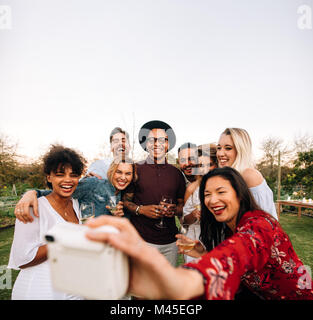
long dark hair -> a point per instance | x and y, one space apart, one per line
212 231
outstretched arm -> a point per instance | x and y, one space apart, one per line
151 275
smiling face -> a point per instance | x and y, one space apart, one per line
206 164
64 181
221 200
122 176
157 144
120 145
187 159
226 151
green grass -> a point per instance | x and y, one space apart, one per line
7 217
6 238
300 232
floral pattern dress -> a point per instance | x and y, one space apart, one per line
258 255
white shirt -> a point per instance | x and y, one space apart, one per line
193 229
263 196
101 167
34 283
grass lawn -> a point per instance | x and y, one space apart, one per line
6 237
300 232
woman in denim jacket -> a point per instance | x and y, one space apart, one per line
89 190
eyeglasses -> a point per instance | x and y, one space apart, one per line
160 140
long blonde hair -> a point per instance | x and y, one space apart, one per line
243 145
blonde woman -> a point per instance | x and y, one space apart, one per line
99 191
234 149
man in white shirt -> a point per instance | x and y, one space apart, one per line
120 147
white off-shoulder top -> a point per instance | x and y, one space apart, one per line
263 196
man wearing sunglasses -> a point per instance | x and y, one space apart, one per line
156 178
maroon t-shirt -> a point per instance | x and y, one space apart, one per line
155 180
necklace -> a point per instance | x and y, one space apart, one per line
63 210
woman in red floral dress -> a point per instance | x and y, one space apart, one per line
243 245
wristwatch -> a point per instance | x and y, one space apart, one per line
137 210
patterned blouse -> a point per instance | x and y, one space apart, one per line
260 256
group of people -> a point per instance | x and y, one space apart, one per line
215 190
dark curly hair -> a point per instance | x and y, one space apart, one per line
58 157
212 231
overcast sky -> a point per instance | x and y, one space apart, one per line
72 70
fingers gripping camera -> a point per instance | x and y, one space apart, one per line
83 267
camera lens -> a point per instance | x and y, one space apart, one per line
49 238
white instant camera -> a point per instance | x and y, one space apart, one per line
83 267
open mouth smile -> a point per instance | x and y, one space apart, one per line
218 210
223 161
67 188
121 183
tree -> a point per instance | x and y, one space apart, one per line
8 162
303 143
304 170
13 172
268 165
271 147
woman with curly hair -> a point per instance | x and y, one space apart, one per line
63 168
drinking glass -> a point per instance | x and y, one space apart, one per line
186 244
87 210
112 204
165 201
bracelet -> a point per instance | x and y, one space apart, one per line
137 211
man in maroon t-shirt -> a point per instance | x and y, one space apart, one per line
157 178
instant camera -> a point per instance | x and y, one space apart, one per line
83 267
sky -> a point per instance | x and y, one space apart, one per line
70 71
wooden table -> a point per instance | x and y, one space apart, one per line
295 203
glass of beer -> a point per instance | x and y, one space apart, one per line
87 210
112 204
187 243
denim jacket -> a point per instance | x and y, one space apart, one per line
92 189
